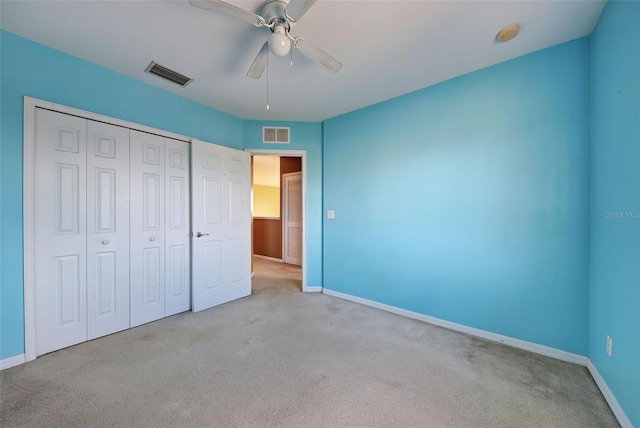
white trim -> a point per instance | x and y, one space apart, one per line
314 289
28 227
16 360
301 154
28 205
617 410
273 259
34 102
493 337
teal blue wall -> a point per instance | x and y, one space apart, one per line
304 136
469 200
34 70
614 307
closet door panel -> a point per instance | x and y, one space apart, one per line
147 217
107 228
177 227
60 231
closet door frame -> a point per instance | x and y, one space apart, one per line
28 207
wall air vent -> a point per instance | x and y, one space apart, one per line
275 135
165 73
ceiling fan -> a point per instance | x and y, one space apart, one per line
279 16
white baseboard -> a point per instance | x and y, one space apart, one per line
493 337
12 361
314 289
273 259
623 420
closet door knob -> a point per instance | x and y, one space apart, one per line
200 234
152 239
105 242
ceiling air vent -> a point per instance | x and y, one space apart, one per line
275 135
165 73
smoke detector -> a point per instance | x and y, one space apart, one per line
508 33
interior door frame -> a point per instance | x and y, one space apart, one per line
28 199
295 154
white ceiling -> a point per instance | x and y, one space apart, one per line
388 48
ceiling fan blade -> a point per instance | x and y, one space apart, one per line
224 8
317 54
260 63
297 8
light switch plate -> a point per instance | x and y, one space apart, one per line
330 214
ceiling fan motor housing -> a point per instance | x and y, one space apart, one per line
274 11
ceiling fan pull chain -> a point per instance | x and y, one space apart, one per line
291 57
267 80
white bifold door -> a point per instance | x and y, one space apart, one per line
221 219
177 232
160 227
81 230
107 228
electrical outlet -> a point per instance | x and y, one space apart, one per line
330 214
609 346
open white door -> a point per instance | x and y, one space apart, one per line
292 218
221 224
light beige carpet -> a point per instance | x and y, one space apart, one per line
286 359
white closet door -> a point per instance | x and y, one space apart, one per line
178 228
146 227
60 231
221 224
107 228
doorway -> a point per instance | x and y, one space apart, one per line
269 237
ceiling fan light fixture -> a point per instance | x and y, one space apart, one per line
279 43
